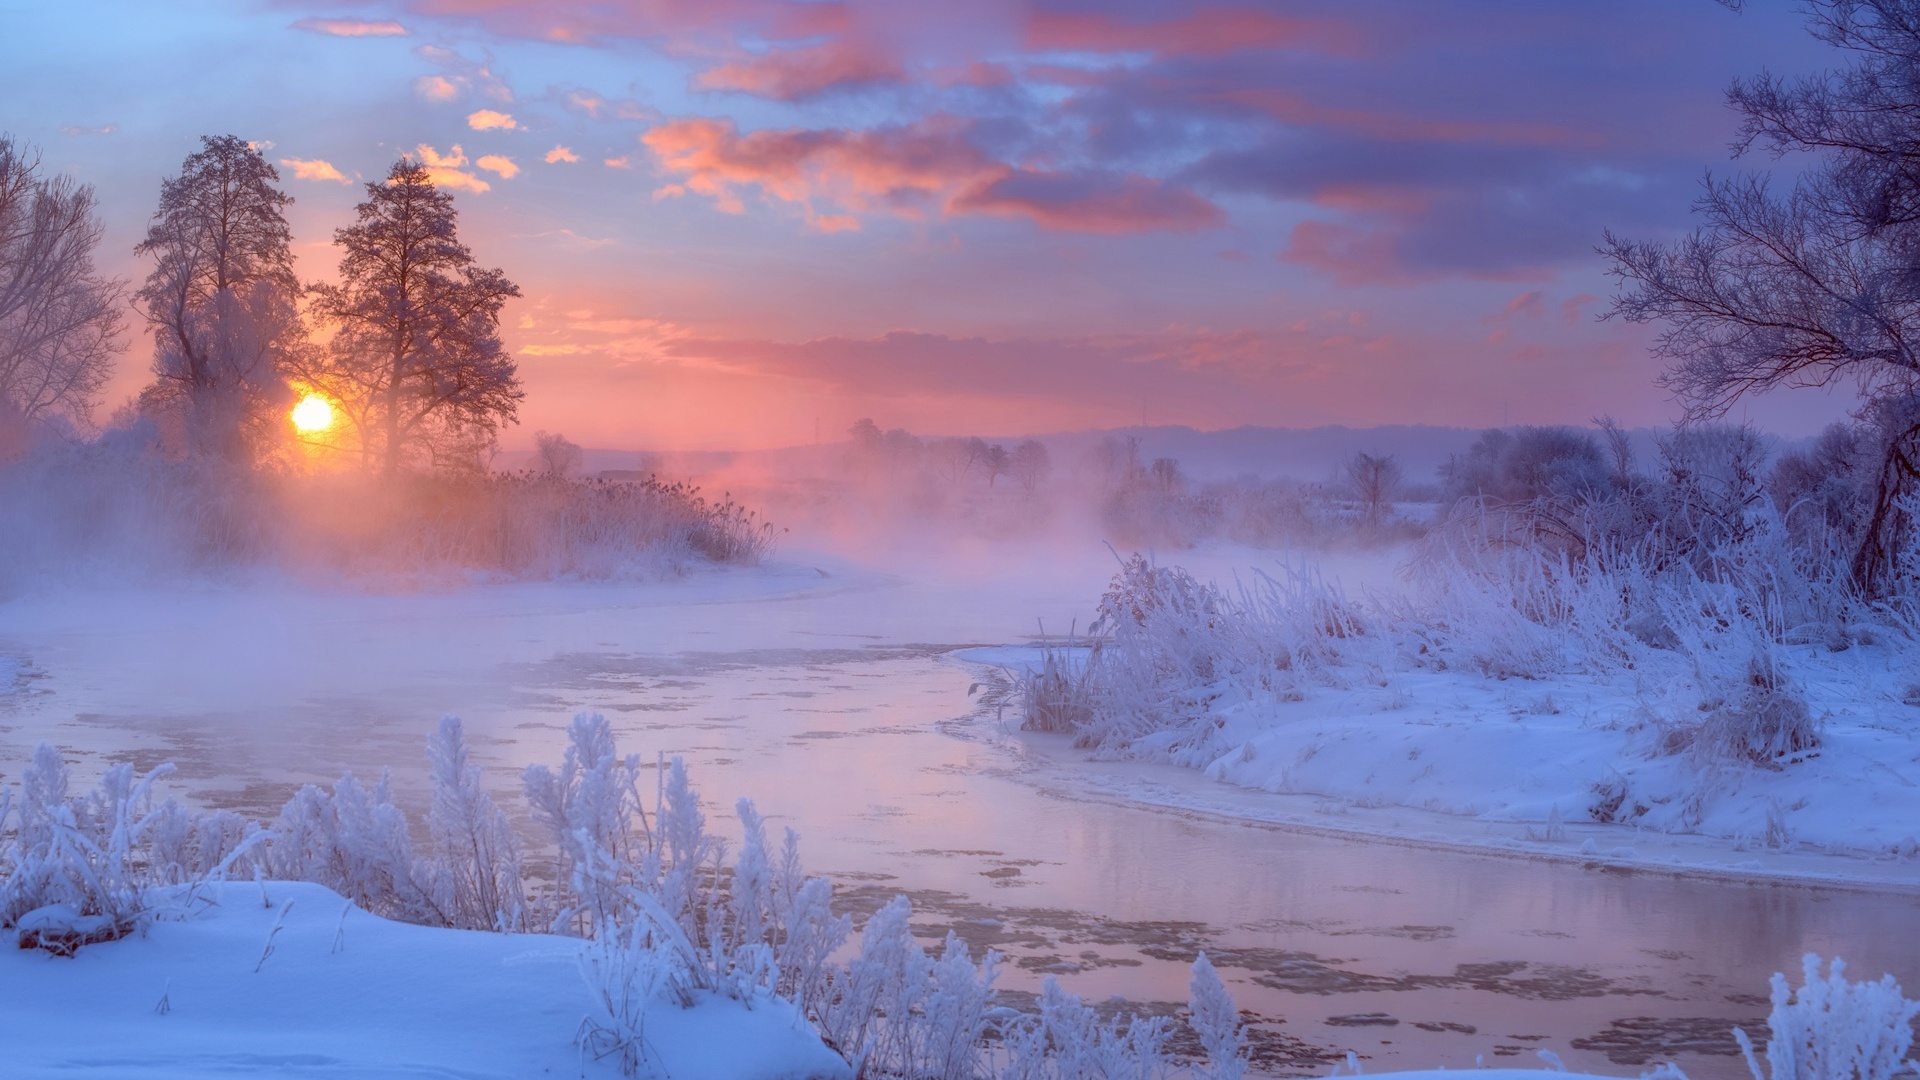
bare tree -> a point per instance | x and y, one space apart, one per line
221 299
60 320
997 461
1375 480
417 357
955 457
1817 285
560 457
1031 464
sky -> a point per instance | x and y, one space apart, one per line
747 223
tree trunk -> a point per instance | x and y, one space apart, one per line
1881 543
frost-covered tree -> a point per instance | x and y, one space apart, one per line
1031 463
1525 463
1814 285
60 320
559 456
221 298
417 359
1375 481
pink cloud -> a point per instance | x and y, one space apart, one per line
1574 306
1211 31
491 120
314 169
1528 305
352 27
795 74
600 108
685 23
910 171
1349 255
560 154
1099 204
436 88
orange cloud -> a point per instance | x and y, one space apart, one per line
314 169
909 171
436 88
352 27
501 166
621 162
561 153
794 74
448 170
490 120
452 159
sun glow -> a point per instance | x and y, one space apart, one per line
313 414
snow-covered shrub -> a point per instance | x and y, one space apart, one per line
354 841
75 870
1750 710
591 811
516 525
186 846
627 971
1057 696
476 859
1170 646
1833 1029
1217 1022
1066 1040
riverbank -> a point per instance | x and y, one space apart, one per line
1524 767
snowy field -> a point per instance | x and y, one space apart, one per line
289 980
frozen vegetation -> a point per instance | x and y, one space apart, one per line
1575 642
685 961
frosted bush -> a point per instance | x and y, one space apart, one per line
476 857
1057 696
354 841
1066 1040
1215 1020
1833 1029
626 972
590 809
79 869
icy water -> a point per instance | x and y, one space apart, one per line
840 705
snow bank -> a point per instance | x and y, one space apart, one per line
1572 702
345 993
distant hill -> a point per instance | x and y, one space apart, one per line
1258 452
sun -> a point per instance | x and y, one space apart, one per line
314 413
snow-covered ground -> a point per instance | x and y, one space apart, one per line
343 993
1393 726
